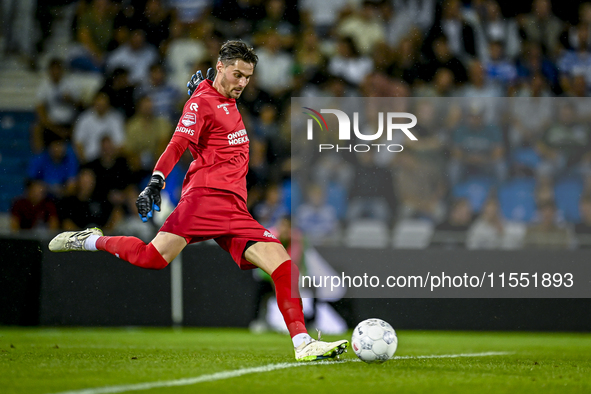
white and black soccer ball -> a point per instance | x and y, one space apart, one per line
374 341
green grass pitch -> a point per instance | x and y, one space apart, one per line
56 360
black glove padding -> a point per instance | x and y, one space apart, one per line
149 199
197 78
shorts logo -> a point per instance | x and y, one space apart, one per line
189 119
193 107
269 235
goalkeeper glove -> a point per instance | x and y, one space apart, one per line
197 78
149 200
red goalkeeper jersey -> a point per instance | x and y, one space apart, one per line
212 128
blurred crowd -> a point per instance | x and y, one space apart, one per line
93 155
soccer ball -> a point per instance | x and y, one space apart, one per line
374 341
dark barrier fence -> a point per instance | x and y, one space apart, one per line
96 289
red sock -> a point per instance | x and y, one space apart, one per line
133 250
285 278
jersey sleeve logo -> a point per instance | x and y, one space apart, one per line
193 107
189 119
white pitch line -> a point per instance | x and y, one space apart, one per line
245 371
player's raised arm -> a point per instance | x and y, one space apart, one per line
149 199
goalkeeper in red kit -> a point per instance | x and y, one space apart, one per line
213 200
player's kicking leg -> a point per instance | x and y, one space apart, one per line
272 258
155 255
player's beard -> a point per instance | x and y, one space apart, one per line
230 92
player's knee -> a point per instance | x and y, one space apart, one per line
158 265
153 259
267 255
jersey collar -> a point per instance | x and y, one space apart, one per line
207 86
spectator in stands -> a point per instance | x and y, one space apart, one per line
488 230
348 63
478 83
532 63
542 27
316 218
50 12
121 92
460 32
259 173
536 86
125 20
546 233
323 15
56 167
94 124
528 118
182 53
82 210
565 145
333 168
309 60
58 102
275 20
192 11
575 85
419 176
578 60
443 58
497 28
372 191
266 126
146 136
477 148
112 174
420 189
95 31
34 210
271 209
136 56
479 87
365 28
167 99
460 217
275 67
155 22
499 69
453 231
406 18
583 229
571 38
18 28
443 85
406 65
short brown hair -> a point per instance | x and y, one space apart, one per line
237 50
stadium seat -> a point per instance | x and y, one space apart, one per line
292 196
336 196
526 157
567 193
476 190
367 233
412 234
15 153
517 199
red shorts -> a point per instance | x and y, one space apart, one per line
204 213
